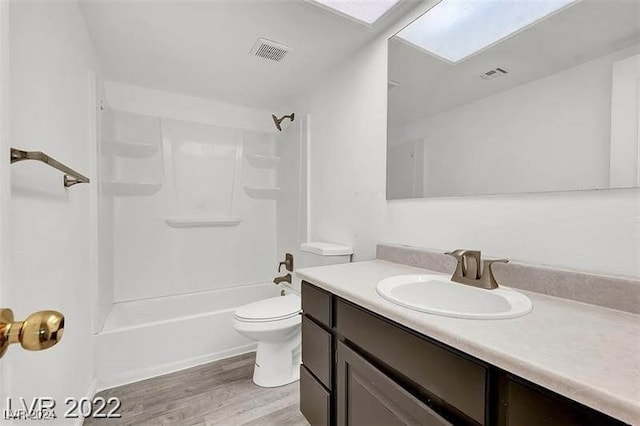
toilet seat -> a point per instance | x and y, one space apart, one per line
268 310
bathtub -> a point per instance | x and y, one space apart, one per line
146 338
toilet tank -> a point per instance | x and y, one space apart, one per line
320 253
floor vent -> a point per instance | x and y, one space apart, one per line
494 73
270 50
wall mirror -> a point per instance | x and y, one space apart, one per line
514 96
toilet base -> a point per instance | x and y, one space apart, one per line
277 363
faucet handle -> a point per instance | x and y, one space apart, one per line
486 263
487 272
287 263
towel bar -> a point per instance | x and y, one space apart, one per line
71 177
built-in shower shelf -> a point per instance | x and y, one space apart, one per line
201 222
263 161
262 192
119 188
129 149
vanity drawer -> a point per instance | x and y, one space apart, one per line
316 351
366 396
317 304
452 380
314 399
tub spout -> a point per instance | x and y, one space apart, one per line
282 279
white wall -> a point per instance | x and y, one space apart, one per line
150 258
49 233
595 231
141 100
551 134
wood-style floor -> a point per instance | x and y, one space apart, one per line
219 393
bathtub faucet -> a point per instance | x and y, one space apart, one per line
282 279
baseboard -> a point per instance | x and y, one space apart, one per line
146 373
90 393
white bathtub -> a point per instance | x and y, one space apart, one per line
146 338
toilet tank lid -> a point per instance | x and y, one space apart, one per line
326 249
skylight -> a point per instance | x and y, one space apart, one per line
456 29
368 11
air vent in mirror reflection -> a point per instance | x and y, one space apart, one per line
495 73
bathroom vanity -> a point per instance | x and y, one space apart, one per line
367 362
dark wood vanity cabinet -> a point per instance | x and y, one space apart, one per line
359 368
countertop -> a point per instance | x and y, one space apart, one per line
585 352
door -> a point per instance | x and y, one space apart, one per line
366 396
45 238
625 124
405 170
4 177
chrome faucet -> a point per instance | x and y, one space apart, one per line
472 270
282 279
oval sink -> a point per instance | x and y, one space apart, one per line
436 294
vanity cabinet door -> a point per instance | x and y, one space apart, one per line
523 404
367 397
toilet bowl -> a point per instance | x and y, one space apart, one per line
275 324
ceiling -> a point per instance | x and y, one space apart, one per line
201 48
585 31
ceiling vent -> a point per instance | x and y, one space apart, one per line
494 73
270 50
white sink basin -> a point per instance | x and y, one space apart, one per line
436 294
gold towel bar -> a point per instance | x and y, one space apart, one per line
71 177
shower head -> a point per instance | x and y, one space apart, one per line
278 121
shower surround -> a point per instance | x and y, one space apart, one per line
191 190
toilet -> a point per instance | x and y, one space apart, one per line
275 322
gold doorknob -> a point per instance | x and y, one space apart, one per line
39 331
